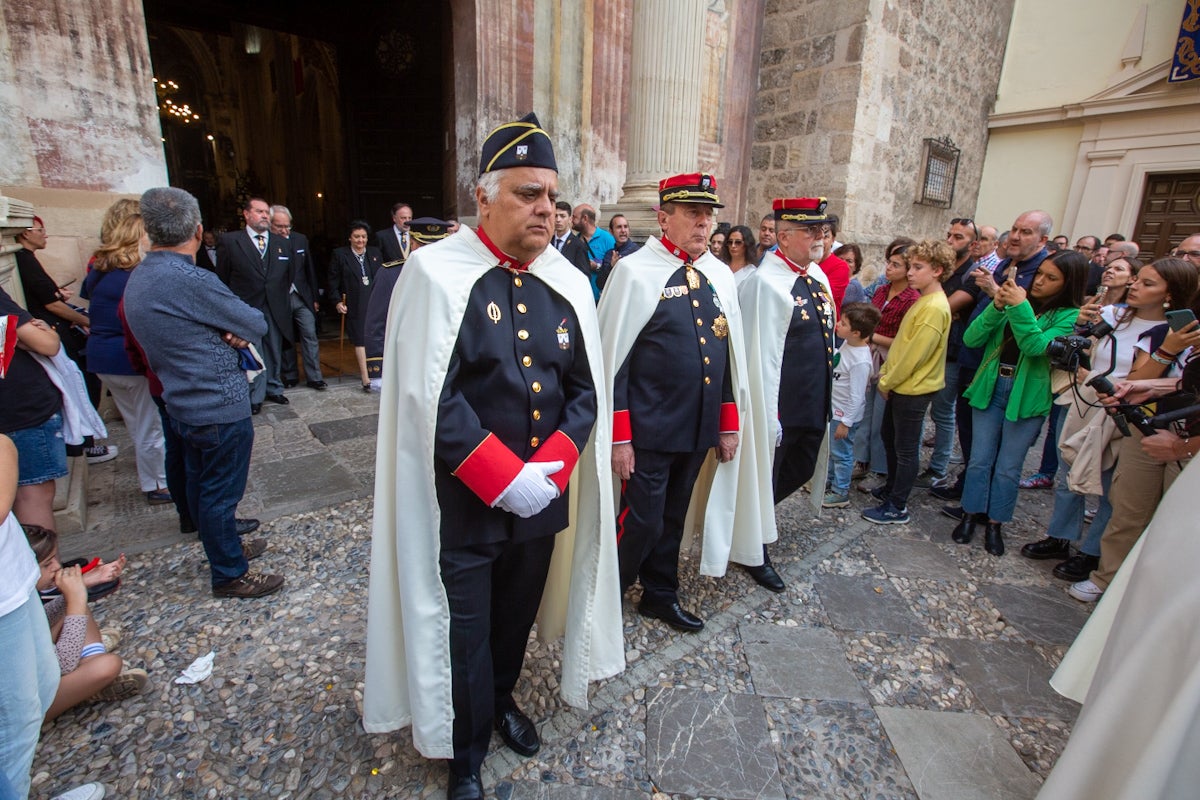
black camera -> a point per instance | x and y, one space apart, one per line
1069 353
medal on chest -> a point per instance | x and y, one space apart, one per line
564 339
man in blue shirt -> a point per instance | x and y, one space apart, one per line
599 241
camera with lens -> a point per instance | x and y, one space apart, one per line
1069 353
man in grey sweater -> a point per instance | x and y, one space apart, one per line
191 327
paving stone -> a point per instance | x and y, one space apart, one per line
799 662
527 790
339 430
1044 614
866 604
294 484
830 749
910 558
957 756
711 744
1009 678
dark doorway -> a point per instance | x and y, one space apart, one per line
333 109
1170 213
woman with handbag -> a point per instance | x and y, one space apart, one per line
1010 395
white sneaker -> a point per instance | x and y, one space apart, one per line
1085 591
90 791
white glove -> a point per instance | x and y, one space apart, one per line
778 433
531 491
377 385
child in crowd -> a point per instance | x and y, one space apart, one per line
914 371
89 671
851 373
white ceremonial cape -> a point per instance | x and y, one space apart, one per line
408 649
1138 660
767 306
729 499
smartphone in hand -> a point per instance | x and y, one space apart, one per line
1180 318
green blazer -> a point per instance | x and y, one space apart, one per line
1031 395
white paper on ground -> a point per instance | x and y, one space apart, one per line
199 669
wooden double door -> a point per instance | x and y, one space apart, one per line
1170 213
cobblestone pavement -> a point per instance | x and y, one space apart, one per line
897 664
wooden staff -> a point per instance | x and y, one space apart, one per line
342 345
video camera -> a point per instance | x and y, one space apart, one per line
1071 352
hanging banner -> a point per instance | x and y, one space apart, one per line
1186 64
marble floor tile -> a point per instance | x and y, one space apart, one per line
1009 678
1045 614
799 662
908 558
866 604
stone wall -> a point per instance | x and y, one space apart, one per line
849 89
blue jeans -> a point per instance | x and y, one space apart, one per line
998 450
174 463
1066 521
941 410
868 438
841 459
31 673
217 459
1049 464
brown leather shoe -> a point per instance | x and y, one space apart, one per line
254 548
252 584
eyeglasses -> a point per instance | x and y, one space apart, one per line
966 221
1081 249
1178 253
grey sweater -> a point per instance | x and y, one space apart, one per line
178 312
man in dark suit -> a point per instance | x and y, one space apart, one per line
302 300
256 265
567 241
393 242
206 256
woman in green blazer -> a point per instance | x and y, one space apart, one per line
1010 395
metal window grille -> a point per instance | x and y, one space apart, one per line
940 173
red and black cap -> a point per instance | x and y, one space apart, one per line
696 187
518 144
428 229
801 210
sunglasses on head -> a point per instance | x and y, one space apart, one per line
966 221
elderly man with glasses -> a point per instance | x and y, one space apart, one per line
1189 250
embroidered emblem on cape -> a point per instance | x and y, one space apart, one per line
693 278
564 340
493 312
720 327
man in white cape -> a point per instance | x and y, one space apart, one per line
788 316
490 400
676 368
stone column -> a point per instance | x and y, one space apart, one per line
15 216
666 66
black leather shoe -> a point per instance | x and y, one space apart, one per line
766 577
245 526
1077 568
464 787
320 386
186 525
518 732
671 613
278 398
953 512
993 541
289 383
255 408
964 531
1048 548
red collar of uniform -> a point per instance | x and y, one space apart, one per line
676 250
506 261
794 267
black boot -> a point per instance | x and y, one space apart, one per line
993 541
765 575
964 531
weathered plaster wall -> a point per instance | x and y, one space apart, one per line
1029 169
848 91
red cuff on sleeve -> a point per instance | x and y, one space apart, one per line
489 469
729 418
622 430
559 447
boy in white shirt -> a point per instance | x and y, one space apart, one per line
851 372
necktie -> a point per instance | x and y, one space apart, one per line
558 243
262 244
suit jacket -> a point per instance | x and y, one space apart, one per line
389 245
262 282
202 259
304 269
575 250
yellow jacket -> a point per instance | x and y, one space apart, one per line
916 362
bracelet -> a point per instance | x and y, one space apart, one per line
1166 362
1165 354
